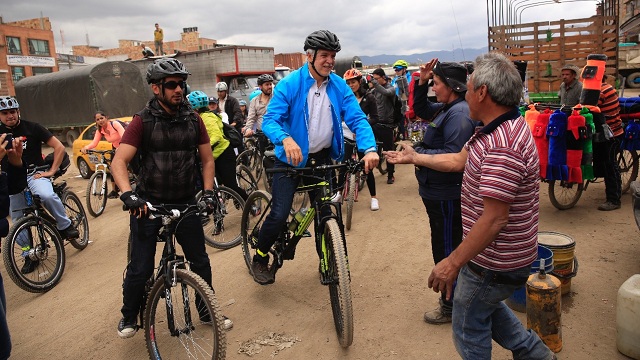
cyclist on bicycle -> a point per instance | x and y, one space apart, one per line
223 154
368 105
172 142
112 131
303 121
258 106
34 135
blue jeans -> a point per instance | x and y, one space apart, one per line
479 315
5 339
43 188
189 235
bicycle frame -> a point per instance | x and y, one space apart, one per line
101 167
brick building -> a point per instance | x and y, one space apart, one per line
27 48
190 40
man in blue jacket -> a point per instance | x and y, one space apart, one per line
304 121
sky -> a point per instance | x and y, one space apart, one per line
364 27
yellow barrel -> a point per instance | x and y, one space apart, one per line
544 309
565 264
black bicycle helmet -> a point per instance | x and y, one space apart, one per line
322 40
163 68
264 78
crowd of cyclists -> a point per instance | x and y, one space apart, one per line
195 123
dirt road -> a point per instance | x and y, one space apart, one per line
390 259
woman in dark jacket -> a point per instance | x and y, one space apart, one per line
368 105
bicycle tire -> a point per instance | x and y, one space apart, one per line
627 162
248 158
51 264
382 164
96 200
340 286
300 200
351 198
255 211
75 212
565 195
222 229
245 179
362 180
197 338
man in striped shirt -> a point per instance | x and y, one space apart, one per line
500 197
604 155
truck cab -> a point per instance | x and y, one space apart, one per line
241 87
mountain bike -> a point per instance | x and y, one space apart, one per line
98 186
253 156
329 237
222 226
180 312
354 183
245 179
35 238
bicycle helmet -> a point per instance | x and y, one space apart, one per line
163 68
352 74
222 86
264 78
198 99
400 64
242 103
322 40
8 103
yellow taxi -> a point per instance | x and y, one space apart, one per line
84 162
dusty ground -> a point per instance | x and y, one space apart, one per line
390 260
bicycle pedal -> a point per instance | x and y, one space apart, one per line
306 233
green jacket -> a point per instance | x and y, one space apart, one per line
213 123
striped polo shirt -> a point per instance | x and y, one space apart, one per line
503 164
609 105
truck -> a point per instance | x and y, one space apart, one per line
344 64
629 64
237 65
65 102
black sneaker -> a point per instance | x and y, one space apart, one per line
29 265
112 195
261 273
127 328
70 233
391 180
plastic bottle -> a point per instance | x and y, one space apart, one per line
297 219
28 197
544 308
628 317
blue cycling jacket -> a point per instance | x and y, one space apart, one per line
288 115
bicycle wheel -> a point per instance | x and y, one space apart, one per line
195 314
246 181
564 195
75 213
248 158
44 256
351 198
362 179
96 198
628 164
340 285
255 211
300 200
382 164
222 227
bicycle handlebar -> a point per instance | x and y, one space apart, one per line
33 169
351 164
102 152
170 209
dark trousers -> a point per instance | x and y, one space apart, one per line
5 339
144 232
605 165
282 192
349 148
384 134
445 220
226 171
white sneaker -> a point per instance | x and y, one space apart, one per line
337 197
374 204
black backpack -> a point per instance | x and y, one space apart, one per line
233 135
123 123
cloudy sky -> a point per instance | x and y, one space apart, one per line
365 27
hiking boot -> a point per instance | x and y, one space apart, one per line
437 317
608 206
127 328
70 233
29 265
374 204
391 180
112 194
261 273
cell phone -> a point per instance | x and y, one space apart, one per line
9 139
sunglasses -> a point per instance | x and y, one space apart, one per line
172 85
398 69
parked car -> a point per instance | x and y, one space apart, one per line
84 162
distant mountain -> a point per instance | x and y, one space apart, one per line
442 55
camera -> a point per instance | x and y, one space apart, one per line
9 139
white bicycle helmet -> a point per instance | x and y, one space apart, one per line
222 86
